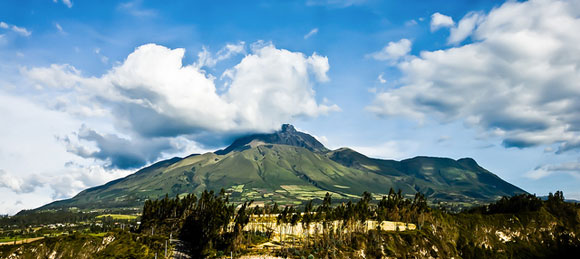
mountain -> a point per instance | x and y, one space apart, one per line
290 167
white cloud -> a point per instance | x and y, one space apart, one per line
20 30
152 94
76 178
465 27
32 158
104 59
311 33
126 152
571 168
410 23
389 150
441 21
29 152
18 185
206 59
68 3
272 84
394 51
65 184
381 78
59 28
518 80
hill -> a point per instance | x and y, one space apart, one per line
290 167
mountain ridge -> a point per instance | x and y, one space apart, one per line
291 167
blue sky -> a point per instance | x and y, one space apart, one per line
93 90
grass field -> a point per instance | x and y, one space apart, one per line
9 239
102 234
118 216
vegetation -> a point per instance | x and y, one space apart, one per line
517 204
116 244
521 226
212 226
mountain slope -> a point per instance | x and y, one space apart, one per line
291 167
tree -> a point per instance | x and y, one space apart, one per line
208 220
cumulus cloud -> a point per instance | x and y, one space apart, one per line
394 51
118 152
311 33
439 21
518 80
19 30
152 95
272 83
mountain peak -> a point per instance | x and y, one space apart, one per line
288 128
287 135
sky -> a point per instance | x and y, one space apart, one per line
91 91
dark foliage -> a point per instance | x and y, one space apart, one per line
214 227
516 204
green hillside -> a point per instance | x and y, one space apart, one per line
290 167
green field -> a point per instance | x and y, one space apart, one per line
11 239
118 216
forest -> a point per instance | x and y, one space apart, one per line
213 227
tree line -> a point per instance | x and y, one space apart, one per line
212 224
